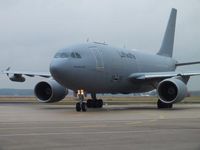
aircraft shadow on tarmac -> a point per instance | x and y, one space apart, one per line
120 108
135 107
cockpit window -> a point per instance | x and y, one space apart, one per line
67 55
64 55
78 55
61 55
73 55
57 55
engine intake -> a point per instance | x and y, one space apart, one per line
172 90
50 92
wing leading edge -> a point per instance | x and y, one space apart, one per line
26 73
187 63
161 75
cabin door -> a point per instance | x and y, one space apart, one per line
98 58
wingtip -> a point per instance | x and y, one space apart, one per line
8 68
174 9
5 71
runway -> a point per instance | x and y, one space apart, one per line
38 126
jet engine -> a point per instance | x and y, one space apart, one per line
50 92
17 78
172 90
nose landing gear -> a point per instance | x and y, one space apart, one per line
81 105
91 103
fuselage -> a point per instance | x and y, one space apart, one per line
99 68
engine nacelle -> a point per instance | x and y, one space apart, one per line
17 78
50 92
172 90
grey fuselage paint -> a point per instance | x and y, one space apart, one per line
105 69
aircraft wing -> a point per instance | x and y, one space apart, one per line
161 75
187 63
26 73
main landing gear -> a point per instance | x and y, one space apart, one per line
91 103
94 102
162 105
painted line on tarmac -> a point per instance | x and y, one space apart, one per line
74 133
162 117
134 122
94 126
155 131
56 127
120 124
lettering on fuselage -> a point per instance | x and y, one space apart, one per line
79 67
116 78
127 55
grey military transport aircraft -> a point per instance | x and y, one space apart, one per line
99 68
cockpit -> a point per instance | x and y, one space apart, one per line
67 55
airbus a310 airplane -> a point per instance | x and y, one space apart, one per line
99 68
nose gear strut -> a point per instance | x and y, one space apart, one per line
81 105
91 103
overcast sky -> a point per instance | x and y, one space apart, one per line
31 31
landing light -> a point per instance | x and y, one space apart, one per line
80 92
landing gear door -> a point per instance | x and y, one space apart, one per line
98 58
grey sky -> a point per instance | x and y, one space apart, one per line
31 31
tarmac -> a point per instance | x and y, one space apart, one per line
126 127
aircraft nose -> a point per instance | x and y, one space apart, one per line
56 68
